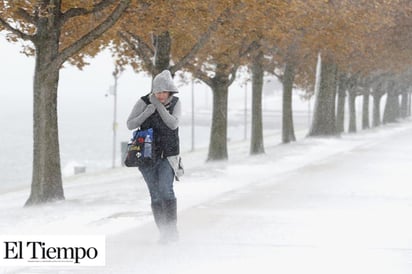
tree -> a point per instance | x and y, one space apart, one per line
353 93
256 140
216 65
343 34
365 108
391 111
404 104
266 33
225 74
378 92
324 119
288 132
58 31
356 87
169 39
340 112
278 35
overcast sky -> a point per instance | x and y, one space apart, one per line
89 85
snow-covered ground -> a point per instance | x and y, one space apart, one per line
339 205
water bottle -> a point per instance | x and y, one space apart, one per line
147 147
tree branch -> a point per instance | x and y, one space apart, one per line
233 74
280 77
25 15
93 34
201 42
73 12
141 50
201 75
195 49
145 47
252 46
19 33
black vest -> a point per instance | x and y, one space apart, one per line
166 140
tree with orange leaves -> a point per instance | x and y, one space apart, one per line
216 65
172 35
57 31
340 32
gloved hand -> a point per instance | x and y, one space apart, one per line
154 100
150 109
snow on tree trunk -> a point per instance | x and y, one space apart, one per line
404 104
256 142
340 113
376 110
365 111
352 111
324 121
391 112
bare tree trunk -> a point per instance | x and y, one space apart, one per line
397 105
391 107
288 132
218 134
352 111
46 175
376 110
404 105
324 122
162 45
365 111
256 142
340 113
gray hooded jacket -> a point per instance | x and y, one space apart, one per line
140 112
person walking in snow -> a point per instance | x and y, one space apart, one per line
161 110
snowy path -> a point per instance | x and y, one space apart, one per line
316 206
347 214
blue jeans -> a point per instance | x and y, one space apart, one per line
159 179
